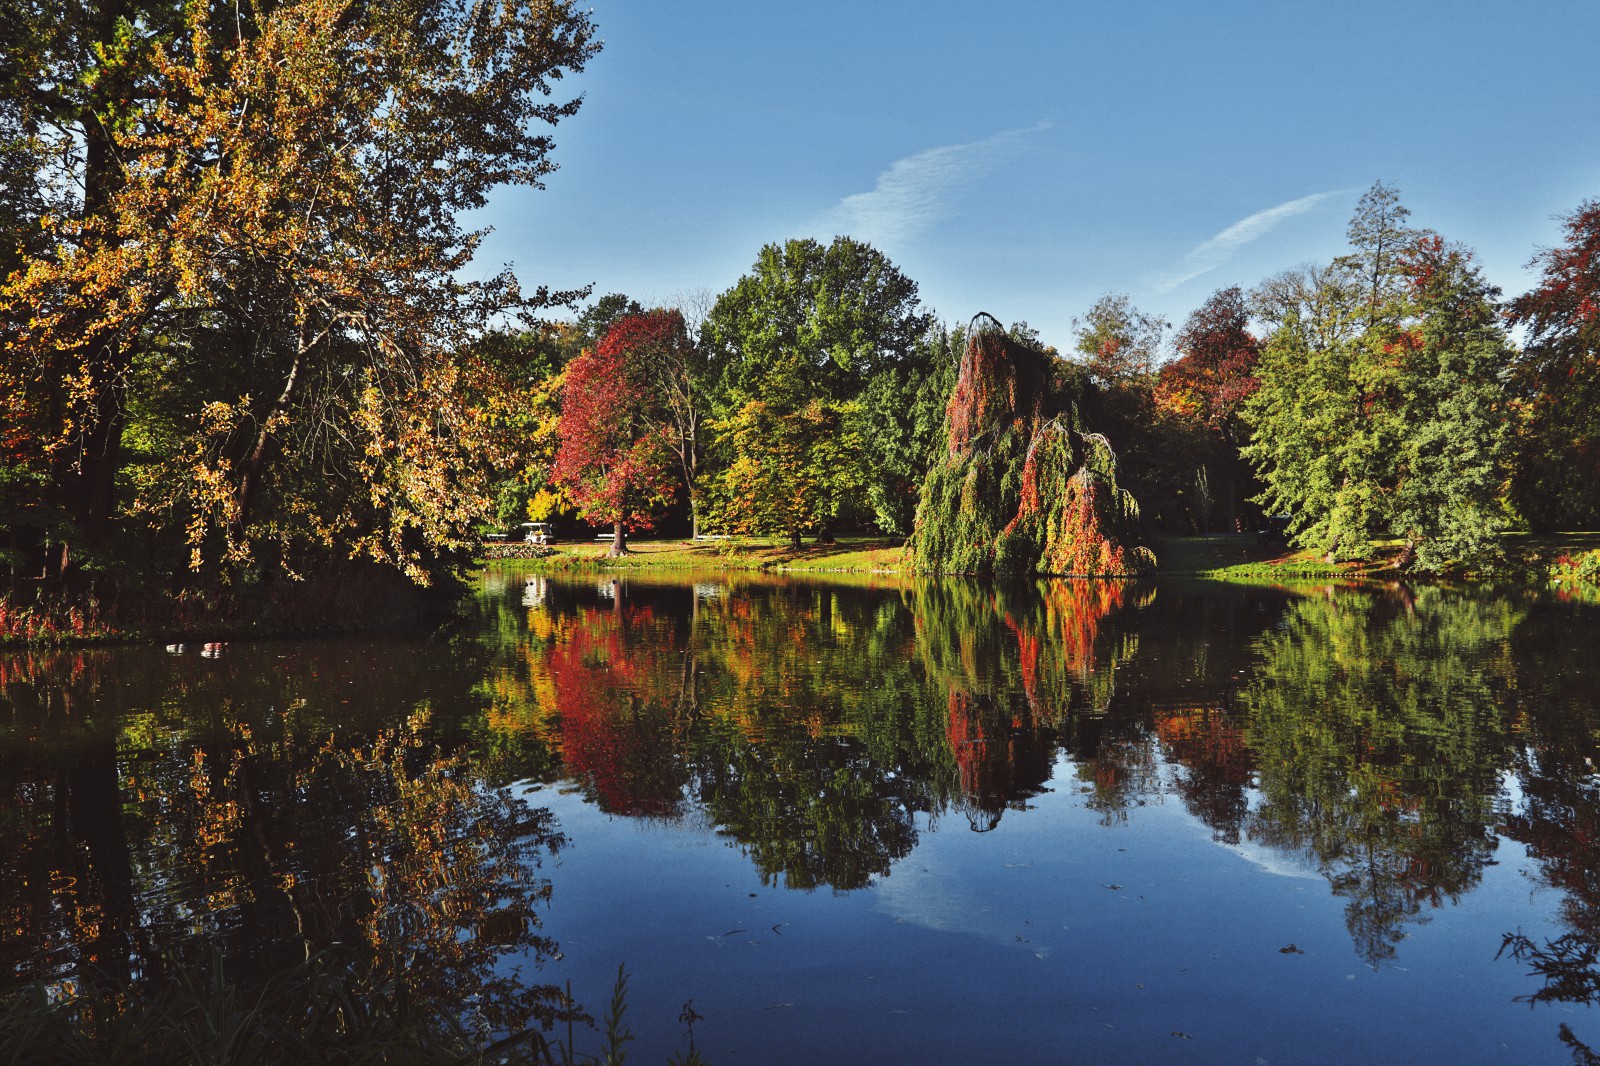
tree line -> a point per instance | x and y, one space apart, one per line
1380 396
240 342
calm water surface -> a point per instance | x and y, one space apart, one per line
938 822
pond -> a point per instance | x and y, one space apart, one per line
852 821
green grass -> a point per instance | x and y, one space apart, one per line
1534 560
1239 556
859 555
1571 561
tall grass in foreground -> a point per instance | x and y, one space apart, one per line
310 1015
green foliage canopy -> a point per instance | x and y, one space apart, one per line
801 336
1381 408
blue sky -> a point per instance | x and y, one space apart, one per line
1025 158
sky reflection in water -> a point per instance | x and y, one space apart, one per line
939 821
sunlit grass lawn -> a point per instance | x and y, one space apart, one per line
1241 556
848 554
1238 556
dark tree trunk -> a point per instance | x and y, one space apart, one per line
85 479
86 482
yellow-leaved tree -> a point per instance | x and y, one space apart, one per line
257 330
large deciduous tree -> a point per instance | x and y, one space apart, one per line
1558 382
800 336
268 284
617 436
1211 379
1116 341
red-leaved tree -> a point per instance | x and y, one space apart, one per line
1211 379
1557 381
616 456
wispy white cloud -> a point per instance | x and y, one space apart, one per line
1225 245
915 192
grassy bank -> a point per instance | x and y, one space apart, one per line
1218 556
1569 561
859 555
374 598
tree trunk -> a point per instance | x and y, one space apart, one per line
619 541
254 463
1230 486
85 483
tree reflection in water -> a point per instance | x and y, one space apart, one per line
1367 734
281 806
1028 668
810 724
1380 729
233 814
1557 686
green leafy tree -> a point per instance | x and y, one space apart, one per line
899 421
1118 342
1450 389
1381 402
533 362
1379 240
792 471
800 337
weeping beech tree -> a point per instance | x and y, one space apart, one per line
1024 487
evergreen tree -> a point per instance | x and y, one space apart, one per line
1379 239
1381 407
1452 410
899 422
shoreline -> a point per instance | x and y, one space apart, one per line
1566 565
1532 561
